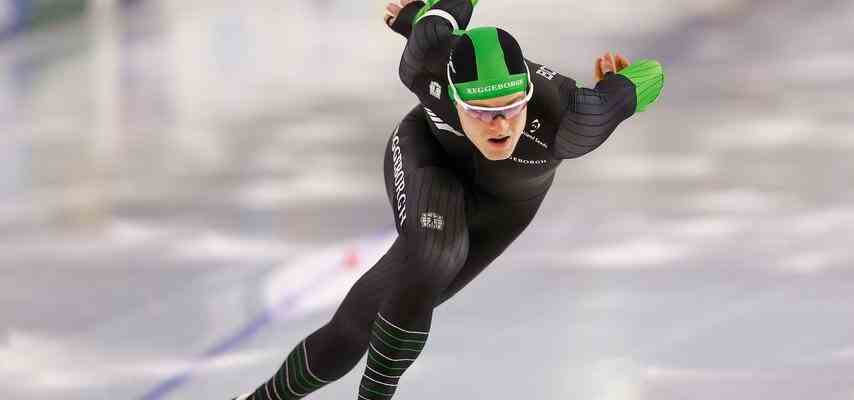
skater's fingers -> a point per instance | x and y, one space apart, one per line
610 62
597 70
607 66
391 12
393 9
622 62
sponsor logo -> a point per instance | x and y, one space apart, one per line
545 72
399 181
431 220
529 162
436 89
535 139
497 86
535 125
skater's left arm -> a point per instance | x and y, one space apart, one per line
590 115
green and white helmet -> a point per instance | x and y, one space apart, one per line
485 63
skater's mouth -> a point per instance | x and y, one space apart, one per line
499 140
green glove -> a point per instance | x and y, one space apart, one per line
648 77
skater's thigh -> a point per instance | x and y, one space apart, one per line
410 148
431 248
494 225
436 233
428 201
432 240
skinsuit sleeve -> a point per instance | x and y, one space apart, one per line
591 115
429 28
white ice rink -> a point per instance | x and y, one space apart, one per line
188 188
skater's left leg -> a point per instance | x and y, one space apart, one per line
331 351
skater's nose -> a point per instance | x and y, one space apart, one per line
498 124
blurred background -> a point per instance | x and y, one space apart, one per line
188 188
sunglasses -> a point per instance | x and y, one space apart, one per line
487 114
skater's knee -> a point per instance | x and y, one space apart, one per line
350 331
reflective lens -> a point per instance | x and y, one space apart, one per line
488 116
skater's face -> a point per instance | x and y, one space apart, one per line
495 139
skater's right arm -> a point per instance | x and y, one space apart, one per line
431 37
400 18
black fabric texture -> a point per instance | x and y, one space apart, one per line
403 23
427 264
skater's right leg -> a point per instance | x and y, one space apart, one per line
334 349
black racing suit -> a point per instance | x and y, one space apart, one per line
501 197
455 211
